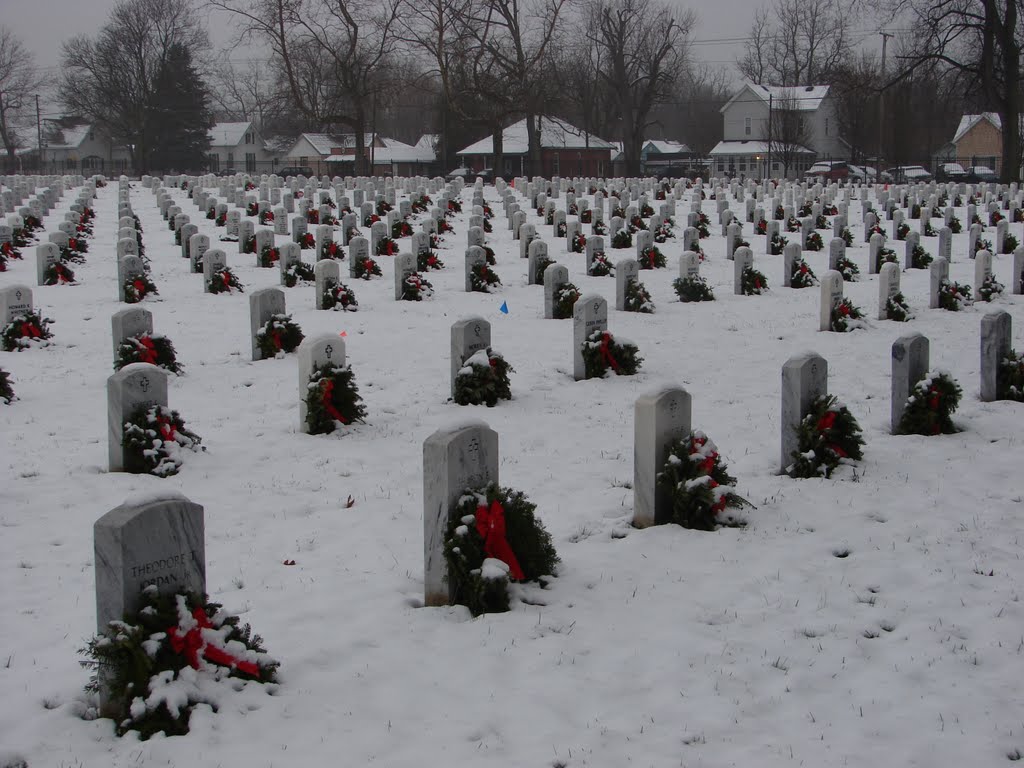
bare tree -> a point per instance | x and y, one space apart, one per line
789 132
19 82
116 85
250 92
696 115
644 51
336 55
585 100
796 42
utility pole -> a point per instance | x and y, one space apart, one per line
39 136
769 169
881 110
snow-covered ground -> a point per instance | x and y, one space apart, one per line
870 619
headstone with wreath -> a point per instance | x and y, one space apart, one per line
263 305
804 379
910 362
658 419
133 386
468 336
589 315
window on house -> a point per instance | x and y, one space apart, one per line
721 165
248 138
250 162
746 126
743 164
214 162
826 126
600 168
555 164
231 160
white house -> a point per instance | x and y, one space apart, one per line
767 127
239 147
79 149
334 154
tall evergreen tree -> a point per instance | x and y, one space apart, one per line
179 117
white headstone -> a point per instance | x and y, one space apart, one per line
659 418
589 315
804 378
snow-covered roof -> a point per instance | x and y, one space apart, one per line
73 136
554 134
391 151
805 98
429 141
228 134
665 147
967 122
748 148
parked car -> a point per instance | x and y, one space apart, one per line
295 170
838 170
978 173
950 172
468 175
904 174
225 172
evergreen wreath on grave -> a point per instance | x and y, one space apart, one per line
20 237
489 255
312 216
326 200
915 211
703 224
565 299
573 209
428 260
153 439
779 214
421 204
693 289
848 269
793 224
902 231
994 218
249 245
78 245
652 258
483 379
176 652
919 257
847 236
646 211
331 250
9 251
541 264
1010 378
56 273
806 209
845 316
561 229
415 287
885 256
387 247
778 243
493 538
875 230
138 287
602 353
482 278
665 231
224 281
821 222
752 282
221 220
488 227
622 239
701 489
579 243
329 219
600 266
636 224
928 230
267 217
989 287
252 209
637 298
148 348
268 256
802 276
352 232
298 272
618 211
401 229
31 224
953 296
600 227
339 296
981 245
897 308
930 407
435 241
370 219
249 186
761 228
1018 215
332 398
587 217
955 226
454 206
279 335
307 241
828 436
443 227
814 242
70 257
1009 244
6 390
211 214
366 268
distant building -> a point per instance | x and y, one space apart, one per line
239 147
565 151
751 121
667 158
76 149
979 141
334 154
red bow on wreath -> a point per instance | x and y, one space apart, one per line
327 398
167 429
30 330
490 524
140 288
192 646
148 352
606 354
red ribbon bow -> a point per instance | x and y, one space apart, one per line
140 288
192 645
490 524
148 352
606 353
31 330
167 429
327 398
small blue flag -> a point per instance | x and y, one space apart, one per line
504 307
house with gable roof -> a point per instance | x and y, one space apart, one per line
77 148
752 116
334 154
979 141
238 146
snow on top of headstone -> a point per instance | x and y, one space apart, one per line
466 423
151 497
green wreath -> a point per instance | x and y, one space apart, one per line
1009 244
885 256
148 348
58 273
847 236
428 260
848 269
694 288
25 330
249 245
814 242
801 275
930 406
483 379
602 353
955 226
171 638
637 298
482 278
153 438
953 296
487 528
137 287
622 239
1010 378
298 272
387 247
6 390
332 398
752 282
69 256
778 244
538 269
600 266
279 335
845 316
928 230
701 490
897 308
919 258
339 296
902 231
989 287
652 258
565 299
827 436
224 281
268 256
365 268
415 287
